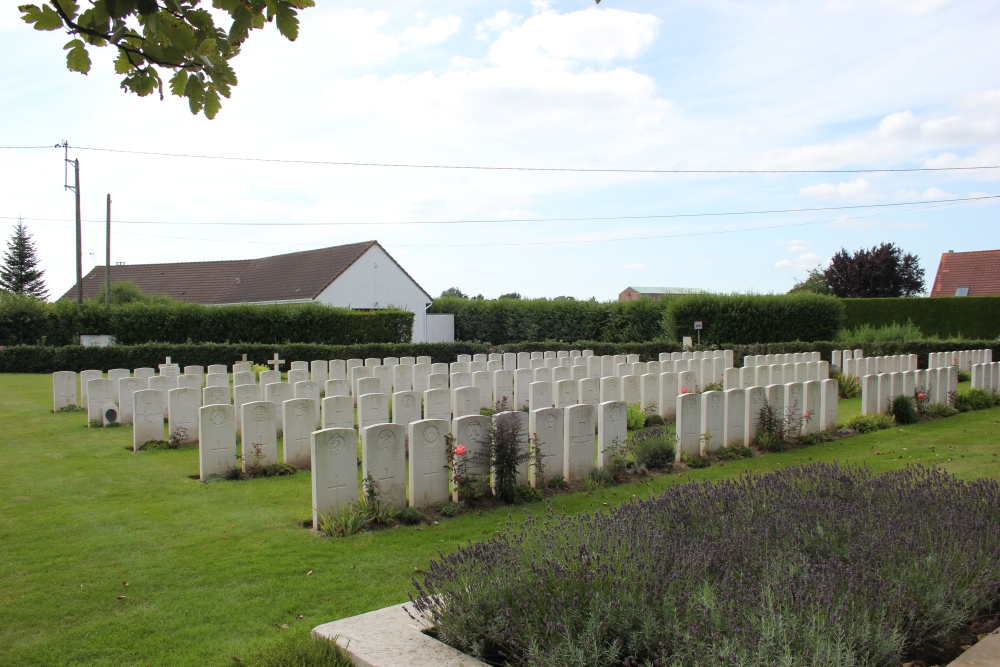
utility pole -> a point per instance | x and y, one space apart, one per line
107 261
79 228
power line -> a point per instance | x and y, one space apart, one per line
510 220
405 165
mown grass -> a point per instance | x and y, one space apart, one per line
214 570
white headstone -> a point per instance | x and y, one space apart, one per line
829 396
428 469
217 449
406 407
99 392
338 412
269 377
688 425
383 458
85 377
540 395
612 429
734 419
259 435
216 380
589 391
611 389
63 389
668 395
218 369
300 419
245 378
754 402
244 393
126 390
465 401
522 380
334 456
182 424
319 371
338 369
312 391
578 446
278 393
437 404
546 427
812 395
295 376
869 395
216 396
372 409
147 417
116 374
713 421
402 378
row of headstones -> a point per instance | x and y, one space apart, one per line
878 391
709 421
772 359
986 376
964 359
862 366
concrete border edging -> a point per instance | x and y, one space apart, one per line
390 638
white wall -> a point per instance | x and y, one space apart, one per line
441 328
376 281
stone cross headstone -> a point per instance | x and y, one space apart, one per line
406 407
428 468
300 416
217 449
147 417
612 429
334 457
259 435
182 423
580 423
278 393
338 412
383 458
546 427
63 389
216 396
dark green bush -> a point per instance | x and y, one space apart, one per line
410 516
24 319
976 399
754 318
504 321
652 447
904 409
969 316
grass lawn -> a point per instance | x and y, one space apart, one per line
213 571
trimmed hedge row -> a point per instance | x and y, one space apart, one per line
754 318
969 316
504 321
43 359
28 321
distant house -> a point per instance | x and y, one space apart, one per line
968 274
361 276
635 293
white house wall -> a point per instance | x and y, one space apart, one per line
376 281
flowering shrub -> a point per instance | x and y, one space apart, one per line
817 565
848 386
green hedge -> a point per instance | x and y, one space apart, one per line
739 319
40 359
504 321
28 321
969 316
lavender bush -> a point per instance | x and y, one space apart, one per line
820 565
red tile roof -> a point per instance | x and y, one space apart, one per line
979 271
291 277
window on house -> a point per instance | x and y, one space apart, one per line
962 291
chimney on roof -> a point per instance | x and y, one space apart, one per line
951 252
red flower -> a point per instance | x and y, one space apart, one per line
921 396
684 390
807 415
460 450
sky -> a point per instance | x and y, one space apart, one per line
712 85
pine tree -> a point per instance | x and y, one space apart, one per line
19 273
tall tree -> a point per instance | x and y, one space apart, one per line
815 282
176 35
19 273
883 271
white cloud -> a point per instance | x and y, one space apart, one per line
799 245
635 266
929 193
804 262
435 32
844 190
554 40
502 20
908 7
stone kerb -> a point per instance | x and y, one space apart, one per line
383 458
259 434
546 427
334 454
428 470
